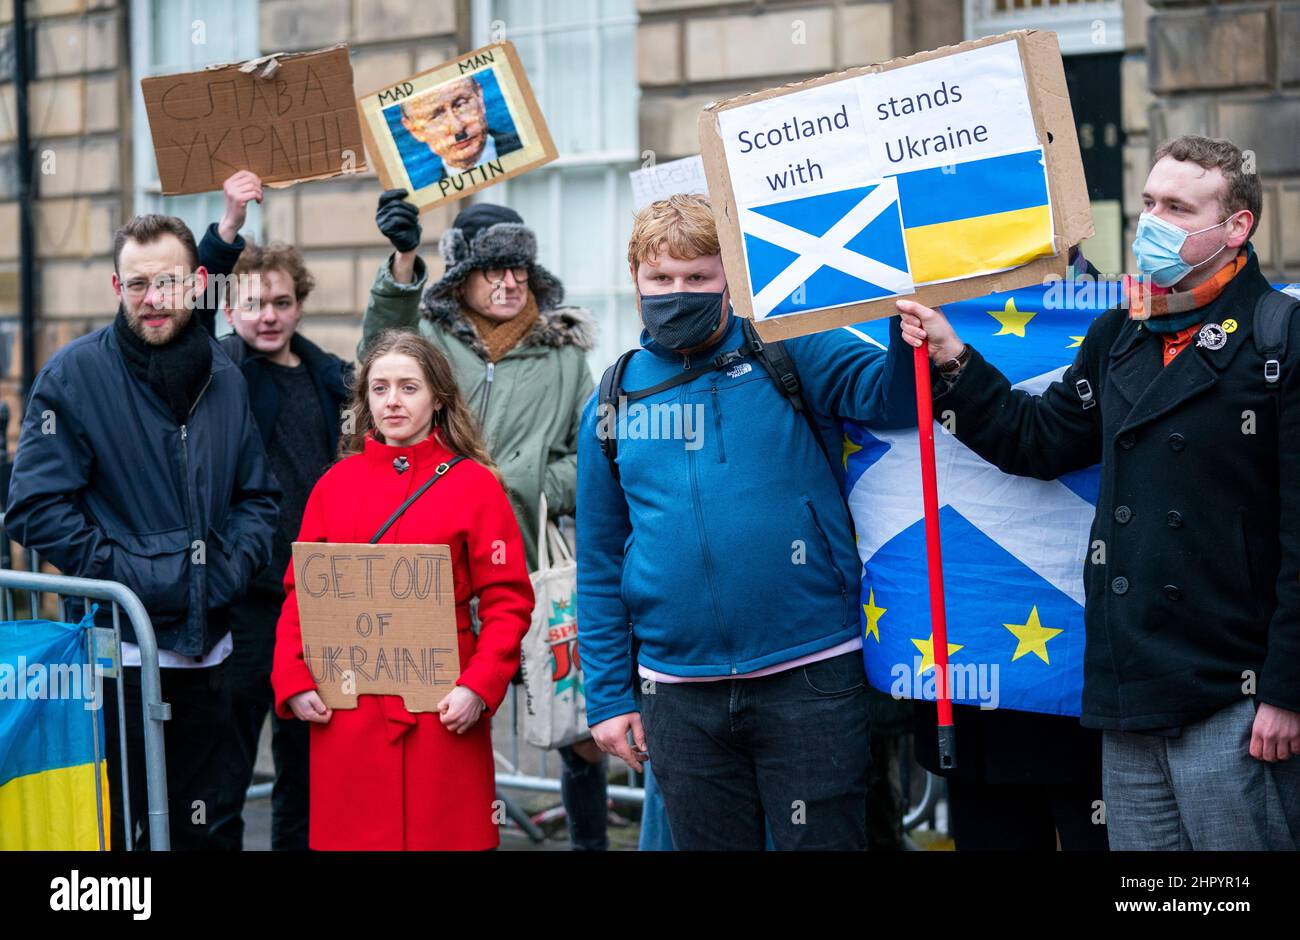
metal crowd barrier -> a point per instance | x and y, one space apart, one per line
155 710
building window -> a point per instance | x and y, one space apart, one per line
1083 26
170 36
580 57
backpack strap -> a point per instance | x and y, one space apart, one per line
611 388
778 363
773 357
1272 327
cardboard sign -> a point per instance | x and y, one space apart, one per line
454 129
378 620
938 176
662 180
286 117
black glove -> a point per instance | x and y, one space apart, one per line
399 221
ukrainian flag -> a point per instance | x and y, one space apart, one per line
977 217
47 764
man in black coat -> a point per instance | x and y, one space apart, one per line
139 462
1192 665
297 391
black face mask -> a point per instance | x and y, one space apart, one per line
683 319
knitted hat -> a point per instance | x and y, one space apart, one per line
489 236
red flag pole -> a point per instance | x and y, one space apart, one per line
934 556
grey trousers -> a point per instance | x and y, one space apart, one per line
1199 791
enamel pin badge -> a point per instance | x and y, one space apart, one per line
1212 336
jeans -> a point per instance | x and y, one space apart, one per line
1200 790
586 803
786 752
655 835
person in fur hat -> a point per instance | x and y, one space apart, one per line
519 356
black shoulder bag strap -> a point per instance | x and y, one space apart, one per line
438 474
1272 326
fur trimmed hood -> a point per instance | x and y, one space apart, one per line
503 245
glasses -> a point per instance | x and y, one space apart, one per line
497 275
166 285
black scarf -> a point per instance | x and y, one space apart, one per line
177 371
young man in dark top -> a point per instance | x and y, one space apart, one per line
296 391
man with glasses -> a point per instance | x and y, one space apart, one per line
139 462
520 360
452 121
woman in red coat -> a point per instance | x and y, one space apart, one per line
381 776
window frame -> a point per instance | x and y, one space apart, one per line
618 293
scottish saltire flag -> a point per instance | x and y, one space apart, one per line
827 250
884 238
976 217
1014 548
48 716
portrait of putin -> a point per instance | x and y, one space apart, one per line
452 121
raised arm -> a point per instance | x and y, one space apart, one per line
845 377
395 294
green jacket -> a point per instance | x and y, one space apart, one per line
529 402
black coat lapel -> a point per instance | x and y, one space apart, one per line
1133 362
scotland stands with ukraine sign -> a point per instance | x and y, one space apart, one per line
938 176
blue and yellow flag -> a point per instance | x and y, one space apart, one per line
1013 547
48 715
975 217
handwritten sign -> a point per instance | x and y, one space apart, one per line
662 180
937 176
299 123
456 128
377 620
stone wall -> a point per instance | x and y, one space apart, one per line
81 186
1229 70
333 221
690 52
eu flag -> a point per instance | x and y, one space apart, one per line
1013 547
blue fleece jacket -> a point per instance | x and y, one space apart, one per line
725 547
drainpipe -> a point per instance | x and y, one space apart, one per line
26 241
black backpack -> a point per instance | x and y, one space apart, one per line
1272 318
773 357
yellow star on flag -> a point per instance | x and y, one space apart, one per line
927 651
1012 320
874 614
1031 637
1078 341
849 448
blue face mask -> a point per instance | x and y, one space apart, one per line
1157 246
